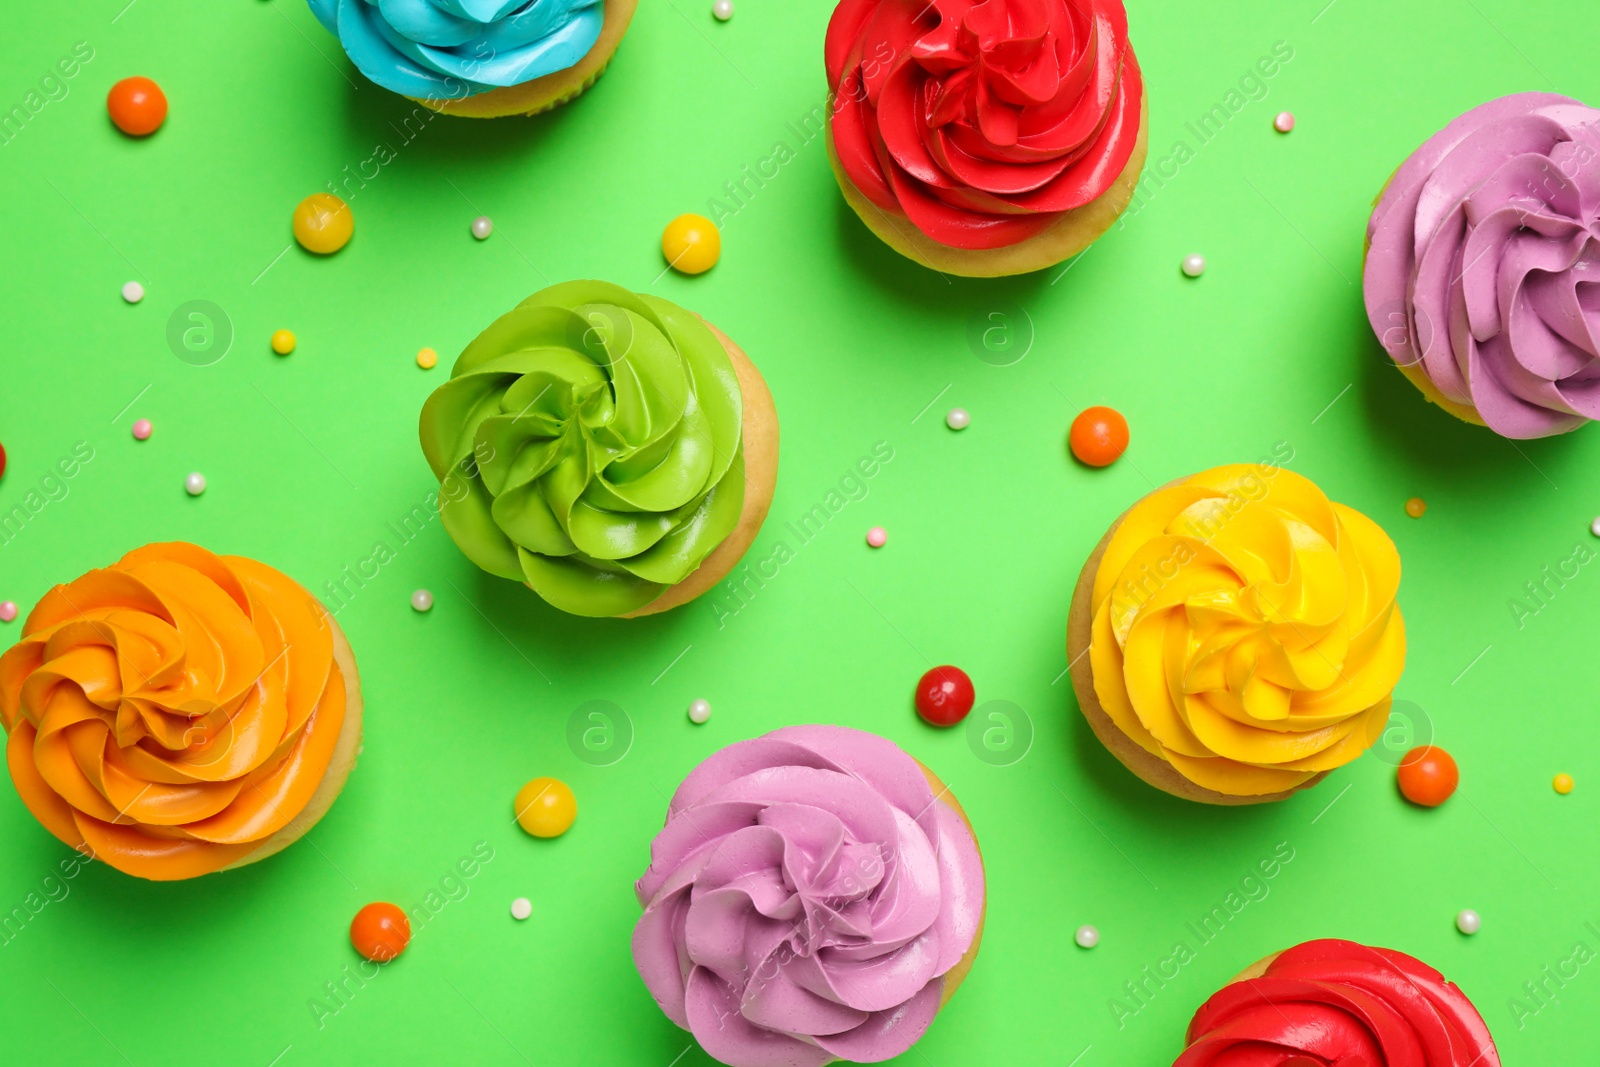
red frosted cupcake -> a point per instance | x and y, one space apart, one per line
985 138
1337 1002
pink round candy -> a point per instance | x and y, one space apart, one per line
877 536
142 430
1284 122
8 610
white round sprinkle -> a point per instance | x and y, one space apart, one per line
1468 922
195 484
1194 265
699 711
421 600
521 908
958 419
482 227
1087 936
132 292
1594 527
723 9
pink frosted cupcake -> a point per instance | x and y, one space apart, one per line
1482 277
816 895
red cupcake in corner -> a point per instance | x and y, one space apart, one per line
985 137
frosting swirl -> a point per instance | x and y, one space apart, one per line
1483 275
171 712
599 432
1245 629
982 120
447 49
805 900
1337 1002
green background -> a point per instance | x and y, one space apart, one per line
311 457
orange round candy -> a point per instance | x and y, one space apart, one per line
1416 506
545 807
323 223
1428 776
691 244
380 931
1099 436
138 107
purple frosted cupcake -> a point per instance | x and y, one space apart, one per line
1482 278
816 895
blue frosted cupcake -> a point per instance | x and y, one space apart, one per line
480 58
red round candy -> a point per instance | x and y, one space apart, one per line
1099 436
944 696
2 461
380 931
138 106
1428 776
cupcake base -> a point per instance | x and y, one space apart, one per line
1256 969
1430 392
759 433
552 90
958 974
1134 756
343 761
1073 232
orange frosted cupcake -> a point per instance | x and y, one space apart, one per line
179 713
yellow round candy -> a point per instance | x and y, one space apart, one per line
545 807
283 342
1416 506
323 223
427 359
1563 784
691 244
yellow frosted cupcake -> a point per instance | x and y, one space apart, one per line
1235 636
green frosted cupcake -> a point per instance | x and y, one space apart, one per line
611 450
